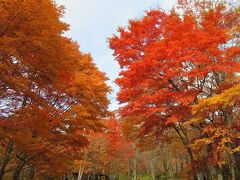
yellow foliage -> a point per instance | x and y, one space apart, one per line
227 97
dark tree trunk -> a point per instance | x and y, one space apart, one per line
18 170
6 158
185 142
237 159
31 172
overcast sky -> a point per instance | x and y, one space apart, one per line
93 21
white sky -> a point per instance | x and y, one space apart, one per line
93 21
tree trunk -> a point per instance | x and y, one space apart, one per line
234 168
31 172
135 163
80 172
185 142
152 159
135 169
17 171
237 164
165 162
6 158
20 165
89 175
219 176
153 174
200 176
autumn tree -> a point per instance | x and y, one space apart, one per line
170 61
220 114
158 155
51 96
108 152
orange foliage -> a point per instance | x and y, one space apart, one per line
49 91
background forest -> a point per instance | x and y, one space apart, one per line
179 96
